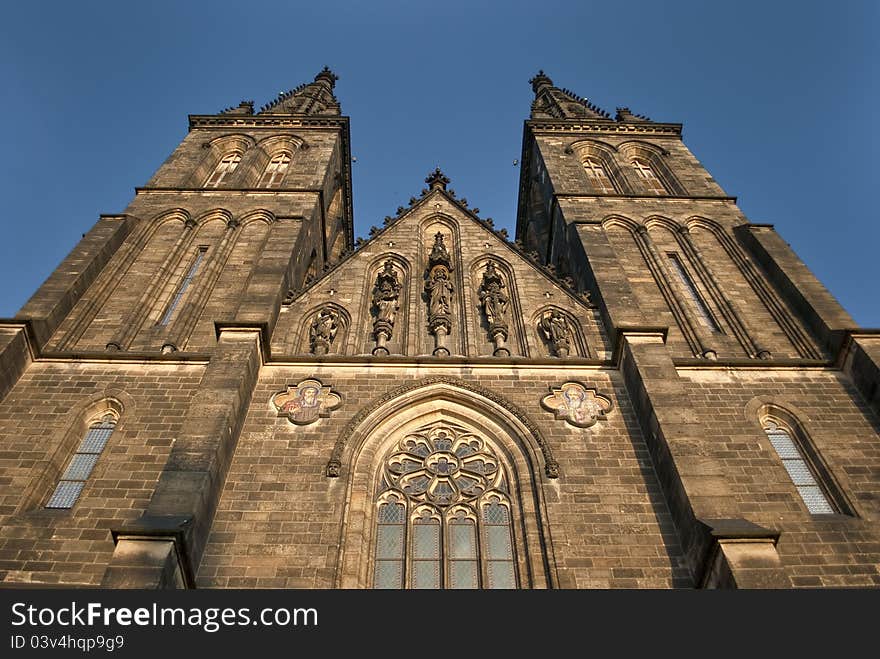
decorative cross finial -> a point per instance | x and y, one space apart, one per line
328 75
539 81
437 180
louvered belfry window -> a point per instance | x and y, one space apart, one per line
224 168
648 176
444 516
80 467
598 176
275 171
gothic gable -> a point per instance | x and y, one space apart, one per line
437 280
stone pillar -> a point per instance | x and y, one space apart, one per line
64 287
816 306
742 555
862 365
189 487
15 354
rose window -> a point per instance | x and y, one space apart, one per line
443 467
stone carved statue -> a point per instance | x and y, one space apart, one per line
439 290
495 303
495 300
386 294
438 294
554 327
323 330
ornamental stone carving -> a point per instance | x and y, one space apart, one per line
323 330
495 303
386 302
438 294
578 405
554 327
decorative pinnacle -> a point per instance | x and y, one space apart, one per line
327 75
437 180
540 81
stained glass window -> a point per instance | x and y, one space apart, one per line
444 517
81 464
798 469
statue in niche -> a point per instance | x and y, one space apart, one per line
323 330
439 253
554 327
495 300
438 294
386 294
439 290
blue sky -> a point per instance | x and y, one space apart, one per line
778 101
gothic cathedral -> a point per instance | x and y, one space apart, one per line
220 388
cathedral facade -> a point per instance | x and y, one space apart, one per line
221 388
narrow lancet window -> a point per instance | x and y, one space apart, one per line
690 289
178 296
80 467
798 469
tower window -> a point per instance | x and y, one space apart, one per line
223 169
275 171
798 469
690 289
444 515
598 176
648 176
81 464
190 275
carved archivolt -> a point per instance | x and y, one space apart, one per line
334 466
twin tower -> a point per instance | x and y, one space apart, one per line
219 387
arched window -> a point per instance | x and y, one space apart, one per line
598 176
224 168
79 468
275 171
444 517
648 176
802 474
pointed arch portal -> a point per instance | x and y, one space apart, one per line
443 493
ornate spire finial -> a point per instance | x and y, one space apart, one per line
327 75
437 180
539 81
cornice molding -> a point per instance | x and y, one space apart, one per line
264 121
602 127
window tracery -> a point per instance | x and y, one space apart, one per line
444 516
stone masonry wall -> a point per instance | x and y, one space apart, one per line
280 517
73 546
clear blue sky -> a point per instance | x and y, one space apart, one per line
778 100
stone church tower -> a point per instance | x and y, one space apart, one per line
219 388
